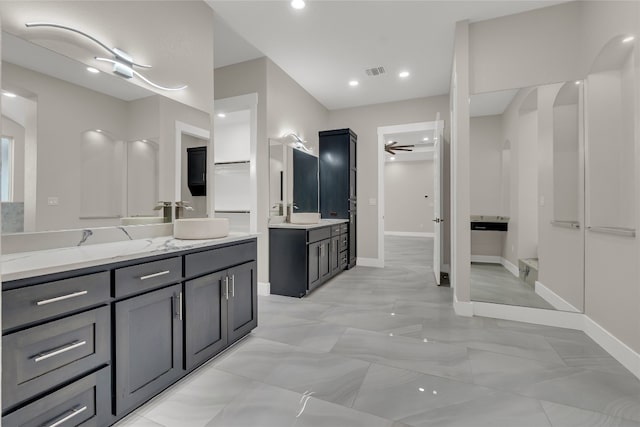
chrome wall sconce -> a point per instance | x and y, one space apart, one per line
123 63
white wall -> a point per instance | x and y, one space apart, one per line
486 165
405 207
558 44
17 132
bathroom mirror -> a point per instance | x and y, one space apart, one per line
527 197
293 179
82 149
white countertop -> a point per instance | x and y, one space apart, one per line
22 265
322 223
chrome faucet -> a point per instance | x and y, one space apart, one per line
180 206
166 210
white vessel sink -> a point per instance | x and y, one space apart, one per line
140 220
200 228
305 218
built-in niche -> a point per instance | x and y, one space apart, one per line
611 113
566 154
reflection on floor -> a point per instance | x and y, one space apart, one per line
383 347
494 283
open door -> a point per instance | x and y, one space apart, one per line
437 198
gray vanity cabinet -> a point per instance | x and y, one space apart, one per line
243 300
302 259
148 345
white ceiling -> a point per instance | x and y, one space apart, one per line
328 43
228 47
491 104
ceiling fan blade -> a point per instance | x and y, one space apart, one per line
389 150
391 144
404 146
403 149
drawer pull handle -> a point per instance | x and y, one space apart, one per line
226 281
61 298
60 350
233 285
66 418
151 276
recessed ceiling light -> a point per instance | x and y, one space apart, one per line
420 388
144 140
9 94
404 74
628 39
99 130
354 83
222 115
578 82
298 4
93 70
425 138
392 158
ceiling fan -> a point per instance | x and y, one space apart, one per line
391 147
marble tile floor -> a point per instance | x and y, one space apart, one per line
383 347
494 283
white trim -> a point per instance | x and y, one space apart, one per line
487 259
185 128
370 262
554 299
538 316
616 348
408 234
461 308
264 288
513 269
446 268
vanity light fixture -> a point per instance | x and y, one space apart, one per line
404 74
123 63
222 115
354 83
298 4
628 39
93 70
9 94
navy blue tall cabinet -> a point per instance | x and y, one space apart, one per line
338 176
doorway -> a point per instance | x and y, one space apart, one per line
409 185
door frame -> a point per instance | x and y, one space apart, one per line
382 131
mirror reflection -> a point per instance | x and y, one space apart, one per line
527 244
293 180
80 149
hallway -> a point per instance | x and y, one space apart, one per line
383 347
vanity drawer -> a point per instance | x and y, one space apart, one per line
318 234
343 260
33 303
344 228
45 356
85 402
335 230
204 262
141 277
344 243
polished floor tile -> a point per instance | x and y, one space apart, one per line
384 348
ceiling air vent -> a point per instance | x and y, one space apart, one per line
375 71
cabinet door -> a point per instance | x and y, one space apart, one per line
242 300
352 240
197 165
334 262
314 264
148 346
325 259
205 318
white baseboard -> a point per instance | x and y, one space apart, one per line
491 259
554 299
408 234
461 308
510 266
264 288
370 262
538 316
616 348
